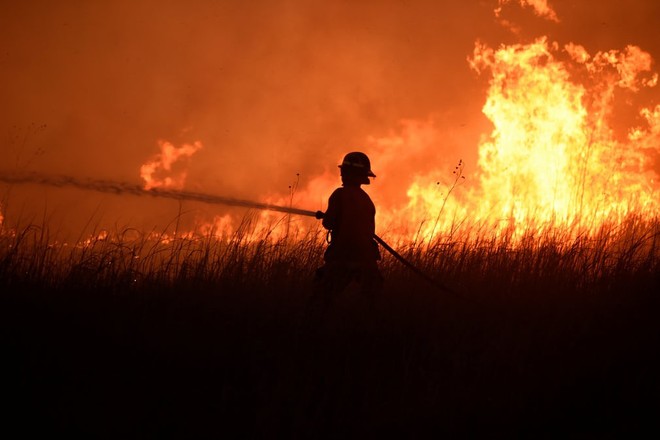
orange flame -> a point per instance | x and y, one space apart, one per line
159 173
552 159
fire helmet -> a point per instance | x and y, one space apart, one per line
356 164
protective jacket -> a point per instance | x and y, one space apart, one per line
350 217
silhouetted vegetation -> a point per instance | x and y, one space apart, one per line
127 334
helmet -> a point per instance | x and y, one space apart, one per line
356 164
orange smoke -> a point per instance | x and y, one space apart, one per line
540 7
166 169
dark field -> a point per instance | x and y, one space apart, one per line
551 338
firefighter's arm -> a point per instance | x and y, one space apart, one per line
331 214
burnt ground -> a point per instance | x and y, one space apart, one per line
195 361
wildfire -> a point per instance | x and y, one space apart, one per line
161 172
552 156
554 159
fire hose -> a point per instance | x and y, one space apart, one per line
402 260
107 186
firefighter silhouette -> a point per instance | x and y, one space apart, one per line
352 254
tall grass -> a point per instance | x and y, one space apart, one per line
127 333
127 258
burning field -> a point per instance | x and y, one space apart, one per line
159 176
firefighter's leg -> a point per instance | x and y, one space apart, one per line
329 280
371 284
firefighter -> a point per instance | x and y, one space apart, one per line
352 253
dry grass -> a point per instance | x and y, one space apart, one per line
475 262
149 334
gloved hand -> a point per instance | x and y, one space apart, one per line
319 215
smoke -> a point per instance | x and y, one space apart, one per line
123 188
270 88
540 7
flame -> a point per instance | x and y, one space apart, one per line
93 239
159 173
552 159
220 227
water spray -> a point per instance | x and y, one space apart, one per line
112 187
